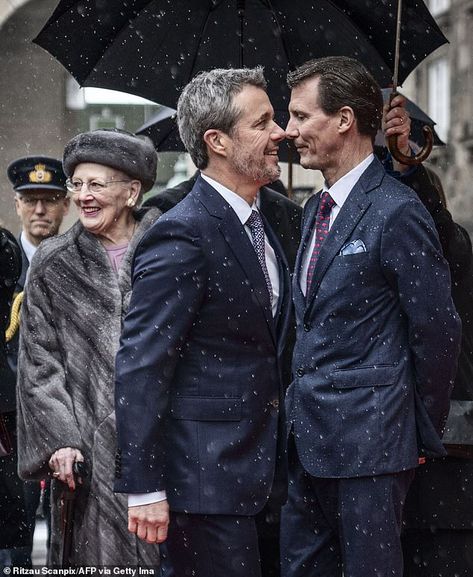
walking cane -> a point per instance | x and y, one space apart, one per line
67 513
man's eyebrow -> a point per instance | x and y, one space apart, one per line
263 116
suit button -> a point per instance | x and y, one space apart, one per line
307 328
275 403
300 372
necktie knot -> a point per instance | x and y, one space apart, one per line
254 220
326 204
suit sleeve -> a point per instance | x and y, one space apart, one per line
455 240
168 287
42 395
414 266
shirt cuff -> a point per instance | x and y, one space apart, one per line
146 498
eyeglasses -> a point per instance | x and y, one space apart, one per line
92 186
32 201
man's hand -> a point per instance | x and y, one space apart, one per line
396 122
149 522
61 462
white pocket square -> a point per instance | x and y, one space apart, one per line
353 247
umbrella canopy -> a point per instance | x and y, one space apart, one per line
153 48
162 129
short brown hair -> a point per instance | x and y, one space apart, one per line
344 82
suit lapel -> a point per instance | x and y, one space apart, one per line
284 304
239 243
349 216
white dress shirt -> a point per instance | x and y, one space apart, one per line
28 247
243 212
339 192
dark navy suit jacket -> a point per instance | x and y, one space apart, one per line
198 385
377 337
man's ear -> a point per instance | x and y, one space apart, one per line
216 141
346 119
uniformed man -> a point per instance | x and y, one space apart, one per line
41 202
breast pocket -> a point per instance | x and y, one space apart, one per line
357 276
355 259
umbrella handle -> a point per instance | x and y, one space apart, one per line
420 156
417 158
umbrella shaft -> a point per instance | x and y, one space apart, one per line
397 47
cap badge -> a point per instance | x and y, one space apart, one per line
40 174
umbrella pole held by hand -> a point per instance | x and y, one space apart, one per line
427 131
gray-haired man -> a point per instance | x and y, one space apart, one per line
199 369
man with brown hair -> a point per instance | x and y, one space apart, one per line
377 338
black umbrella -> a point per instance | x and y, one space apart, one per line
152 48
162 129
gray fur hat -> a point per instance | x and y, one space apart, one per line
133 155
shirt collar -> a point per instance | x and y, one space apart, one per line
239 205
28 247
342 188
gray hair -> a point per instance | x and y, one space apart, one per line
344 81
207 103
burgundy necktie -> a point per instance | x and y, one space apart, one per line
321 231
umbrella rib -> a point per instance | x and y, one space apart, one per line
286 45
113 40
357 28
196 53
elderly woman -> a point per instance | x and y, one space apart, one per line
78 289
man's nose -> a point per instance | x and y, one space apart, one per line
291 130
40 206
278 133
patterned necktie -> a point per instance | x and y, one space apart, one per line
321 231
257 234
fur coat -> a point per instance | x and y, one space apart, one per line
70 328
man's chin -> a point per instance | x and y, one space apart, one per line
274 174
306 163
40 233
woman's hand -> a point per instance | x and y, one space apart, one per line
61 463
